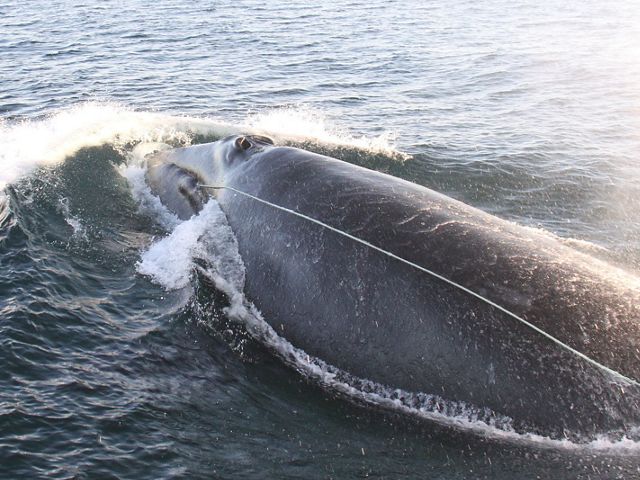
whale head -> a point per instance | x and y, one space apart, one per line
210 163
177 176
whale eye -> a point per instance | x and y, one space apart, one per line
243 143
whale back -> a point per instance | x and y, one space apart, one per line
380 319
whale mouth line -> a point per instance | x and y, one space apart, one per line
617 375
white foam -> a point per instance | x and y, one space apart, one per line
26 144
169 262
134 171
79 230
301 123
5 209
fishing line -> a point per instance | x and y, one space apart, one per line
435 275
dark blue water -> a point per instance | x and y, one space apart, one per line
527 110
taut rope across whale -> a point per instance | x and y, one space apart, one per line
396 283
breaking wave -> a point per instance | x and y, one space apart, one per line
27 144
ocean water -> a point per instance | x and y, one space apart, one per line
126 345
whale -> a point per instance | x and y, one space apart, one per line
403 286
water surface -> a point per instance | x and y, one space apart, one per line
528 110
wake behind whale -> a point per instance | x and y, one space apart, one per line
383 320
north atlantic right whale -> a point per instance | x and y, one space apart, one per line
571 370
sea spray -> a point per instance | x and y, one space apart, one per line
27 144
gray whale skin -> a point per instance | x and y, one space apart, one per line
383 320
